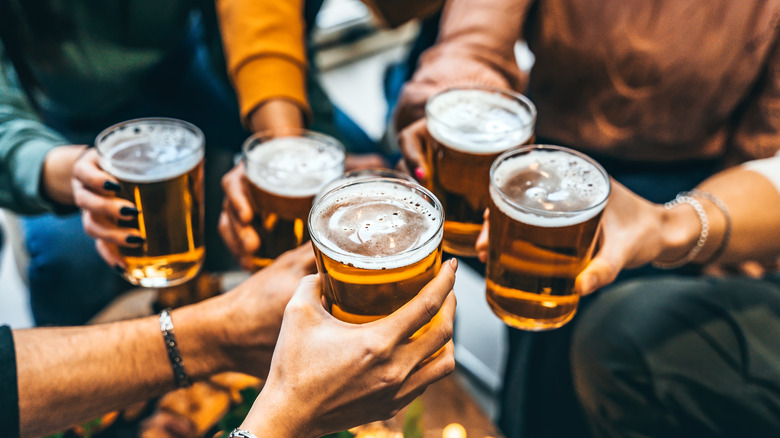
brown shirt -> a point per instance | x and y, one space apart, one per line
657 80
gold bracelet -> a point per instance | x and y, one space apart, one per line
683 198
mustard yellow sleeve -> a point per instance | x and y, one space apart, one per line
264 45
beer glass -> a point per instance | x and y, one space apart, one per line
354 175
469 128
285 173
159 165
377 243
545 206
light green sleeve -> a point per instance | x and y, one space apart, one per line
24 143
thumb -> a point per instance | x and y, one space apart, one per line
601 271
308 291
412 145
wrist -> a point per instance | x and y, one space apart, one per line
276 115
680 232
241 332
200 334
57 173
275 414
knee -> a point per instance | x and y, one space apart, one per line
619 341
604 350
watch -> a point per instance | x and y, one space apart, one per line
239 433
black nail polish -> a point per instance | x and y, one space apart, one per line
112 186
119 269
128 211
135 239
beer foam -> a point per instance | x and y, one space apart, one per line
294 166
556 188
478 121
145 152
374 225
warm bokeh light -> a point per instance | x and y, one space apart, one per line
453 430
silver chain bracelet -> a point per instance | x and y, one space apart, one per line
683 198
174 356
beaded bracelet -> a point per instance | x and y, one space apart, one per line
174 356
683 198
727 231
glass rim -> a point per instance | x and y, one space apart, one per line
260 137
538 211
361 174
437 235
510 94
165 121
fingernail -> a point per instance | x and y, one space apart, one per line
112 186
419 173
128 211
135 239
454 264
119 269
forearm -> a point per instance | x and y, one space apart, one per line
265 49
475 48
25 142
750 231
753 204
484 30
70 375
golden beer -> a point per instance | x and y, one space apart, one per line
469 128
377 243
284 175
159 165
545 206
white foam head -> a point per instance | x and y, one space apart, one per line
377 224
150 150
294 166
480 121
548 188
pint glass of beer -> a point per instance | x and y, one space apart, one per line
354 175
377 242
469 128
159 165
285 173
545 206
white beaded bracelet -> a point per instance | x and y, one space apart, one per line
683 198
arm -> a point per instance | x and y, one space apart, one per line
475 47
36 167
758 125
68 375
637 232
264 46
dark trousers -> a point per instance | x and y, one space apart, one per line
681 357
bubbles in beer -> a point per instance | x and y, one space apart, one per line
294 166
552 181
368 221
478 121
146 154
